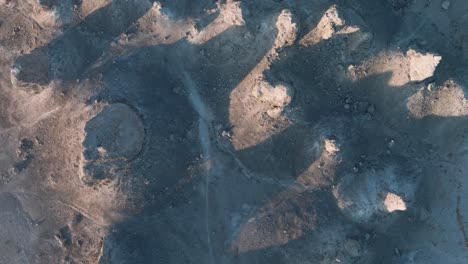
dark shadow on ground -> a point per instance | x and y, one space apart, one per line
170 229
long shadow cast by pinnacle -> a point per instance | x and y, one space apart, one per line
219 101
150 69
67 57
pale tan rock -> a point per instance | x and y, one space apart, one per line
287 29
422 66
394 202
276 98
331 146
325 29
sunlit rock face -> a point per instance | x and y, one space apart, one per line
422 66
447 100
365 197
394 202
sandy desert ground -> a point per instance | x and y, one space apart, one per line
234 131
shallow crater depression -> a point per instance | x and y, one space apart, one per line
114 137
